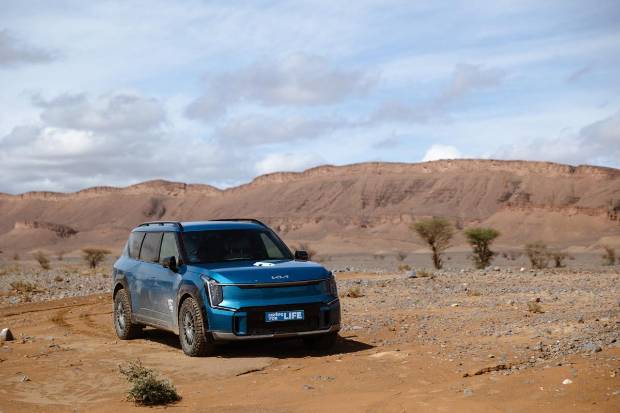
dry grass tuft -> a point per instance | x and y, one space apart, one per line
147 387
354 292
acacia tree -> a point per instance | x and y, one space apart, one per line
94 256
437 233
480 240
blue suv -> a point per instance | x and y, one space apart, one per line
222 280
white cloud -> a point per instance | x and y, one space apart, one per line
437 151
597 143
277 162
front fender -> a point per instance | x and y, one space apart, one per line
191 289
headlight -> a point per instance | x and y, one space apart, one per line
216 294
332 288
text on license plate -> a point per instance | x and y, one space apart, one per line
284 316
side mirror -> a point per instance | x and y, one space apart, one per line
301 255
170 262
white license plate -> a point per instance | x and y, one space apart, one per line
273 316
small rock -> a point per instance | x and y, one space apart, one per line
468 392
580 319
308 387
454 305
522 269
6 335
567 381
24 378
591 347
412 274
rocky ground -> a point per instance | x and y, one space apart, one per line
455 340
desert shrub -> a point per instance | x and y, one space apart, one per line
24 287
538 254
424 273
400 256
404 267
354 292
379 256
534 307
437 233
147 388
16 257
304 246
94 256
42 259
480 240
155 208
609 256
558 258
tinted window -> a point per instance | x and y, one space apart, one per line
135 241
169 247
150 247
233 245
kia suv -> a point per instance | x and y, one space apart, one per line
221 280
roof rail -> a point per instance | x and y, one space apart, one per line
256 221
162 223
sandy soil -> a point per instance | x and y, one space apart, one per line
406 346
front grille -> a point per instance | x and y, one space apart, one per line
256 324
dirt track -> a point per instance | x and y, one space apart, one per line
400 357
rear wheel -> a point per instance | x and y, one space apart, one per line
195 340
321 342
125 329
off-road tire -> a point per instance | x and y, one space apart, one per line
125 329
195 340
321 342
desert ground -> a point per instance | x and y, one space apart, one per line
452 340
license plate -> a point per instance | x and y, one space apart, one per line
272 316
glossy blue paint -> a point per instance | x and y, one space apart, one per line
248 286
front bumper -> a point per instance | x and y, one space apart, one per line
222 336
249 322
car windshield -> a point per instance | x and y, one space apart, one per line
233 245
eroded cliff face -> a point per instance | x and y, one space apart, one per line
375 201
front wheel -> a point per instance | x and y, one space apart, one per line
195 340
321 342
125 329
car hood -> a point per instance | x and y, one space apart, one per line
272 271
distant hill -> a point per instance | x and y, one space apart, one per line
362 207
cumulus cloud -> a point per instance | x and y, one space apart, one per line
297 80
120 138
597 143
14 52
438 151
291 162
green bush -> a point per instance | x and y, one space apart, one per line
480 239
147 388
437 233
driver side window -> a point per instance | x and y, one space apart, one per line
169 247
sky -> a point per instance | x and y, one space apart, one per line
119 92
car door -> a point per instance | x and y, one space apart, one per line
132 272
165 280
145 279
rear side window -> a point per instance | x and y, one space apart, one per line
150 247
169 247
135 241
